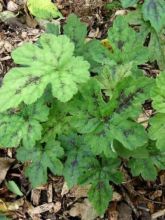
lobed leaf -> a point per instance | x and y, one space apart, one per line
42 159
128 3
51 62
43 9
122 39
153 11
22 125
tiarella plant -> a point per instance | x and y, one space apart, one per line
71 106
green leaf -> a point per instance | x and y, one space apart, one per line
123 38
103 122
98 175
12 186
153 11
3 217
44 9
140 152
52 29
22 125
96 54
156 41
159 160
143 167
57 123
76 31
157 129
158 94
157 48
76 151
128 3
132 135
100 195
52 62
41 159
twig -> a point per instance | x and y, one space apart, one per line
128 200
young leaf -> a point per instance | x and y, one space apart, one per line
42 159
128 3
153 11
52 62
52 29
22 125
43 9
76 31
96 54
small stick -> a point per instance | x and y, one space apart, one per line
128 200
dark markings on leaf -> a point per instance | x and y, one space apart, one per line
3 123
152 5
74 163
125 101
100 185
34 58
101 133
120 44
128 132
32 80
30 128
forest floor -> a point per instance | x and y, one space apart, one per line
135 199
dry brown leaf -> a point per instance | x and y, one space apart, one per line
10 206
53 207
5 164
83 210
31 22
3 207
57 207
112 212
156 194
13 206
79 191
116 197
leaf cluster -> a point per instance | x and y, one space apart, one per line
71 106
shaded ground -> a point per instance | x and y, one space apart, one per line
135 199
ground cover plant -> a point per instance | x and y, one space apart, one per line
71 105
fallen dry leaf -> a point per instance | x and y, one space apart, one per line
6 207
112 212
83 210
156 194
79 191
5 164
116 197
